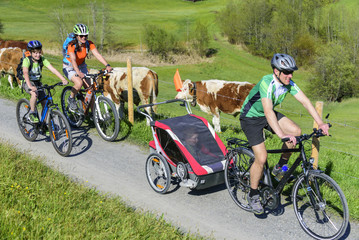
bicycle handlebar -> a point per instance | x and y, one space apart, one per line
94 75
49 87
316 133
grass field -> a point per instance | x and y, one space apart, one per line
339 153
40 203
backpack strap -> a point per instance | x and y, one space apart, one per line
87 48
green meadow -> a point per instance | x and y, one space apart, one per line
339 154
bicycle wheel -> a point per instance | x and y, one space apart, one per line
236 174
158 173
27 129
75 119
106 118
327 215
60 132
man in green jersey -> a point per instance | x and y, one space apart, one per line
258 113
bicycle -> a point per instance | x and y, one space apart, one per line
319 204
52 119
104 113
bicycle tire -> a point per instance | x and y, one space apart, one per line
106 119
158 173
27 129
60 132
329 218
75 119
236 174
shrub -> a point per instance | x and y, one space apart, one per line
160 42
335 75
200 39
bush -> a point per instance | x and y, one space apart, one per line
200 39
159 42
335 75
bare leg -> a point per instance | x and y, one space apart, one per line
260 158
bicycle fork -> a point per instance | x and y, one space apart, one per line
99 113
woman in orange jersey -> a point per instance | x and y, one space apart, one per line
74 66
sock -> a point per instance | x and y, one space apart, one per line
253 192
281 162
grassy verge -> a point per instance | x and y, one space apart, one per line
39 203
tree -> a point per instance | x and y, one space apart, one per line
335 75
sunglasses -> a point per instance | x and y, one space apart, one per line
287 72
82 36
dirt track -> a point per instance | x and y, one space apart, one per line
118 168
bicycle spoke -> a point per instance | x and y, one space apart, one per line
106 119
237 176
60 133
323 212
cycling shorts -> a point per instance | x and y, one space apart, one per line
253 127
40 93
69 71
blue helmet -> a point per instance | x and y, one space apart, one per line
34 45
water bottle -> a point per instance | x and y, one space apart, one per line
88 96
281 173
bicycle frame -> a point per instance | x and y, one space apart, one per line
94 99
301 158
47 105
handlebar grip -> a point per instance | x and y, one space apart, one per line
285 139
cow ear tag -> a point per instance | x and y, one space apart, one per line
178 82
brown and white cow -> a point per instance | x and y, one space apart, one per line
9 59
144 82
215 96
13 43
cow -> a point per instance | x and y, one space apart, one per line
9 59
144 82
216 96
13 43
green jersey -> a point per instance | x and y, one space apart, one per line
35 72
267 87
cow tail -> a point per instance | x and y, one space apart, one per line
153 97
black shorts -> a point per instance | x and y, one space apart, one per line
253 127
40 93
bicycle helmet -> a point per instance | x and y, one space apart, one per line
81 29
34 45
283 62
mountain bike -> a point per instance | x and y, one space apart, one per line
104 113
52 120
319 203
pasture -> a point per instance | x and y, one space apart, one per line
339 154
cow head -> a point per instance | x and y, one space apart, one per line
186 92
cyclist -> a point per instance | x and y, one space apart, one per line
257 113
32 67
74 66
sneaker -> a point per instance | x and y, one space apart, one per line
255 203
33 118
72 104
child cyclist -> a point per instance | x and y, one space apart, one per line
32 67
74 66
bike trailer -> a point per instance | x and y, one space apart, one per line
187 149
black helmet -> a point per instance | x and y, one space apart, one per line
34 45
283 62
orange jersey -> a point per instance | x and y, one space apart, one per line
80 55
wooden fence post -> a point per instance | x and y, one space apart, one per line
315 141
130 92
